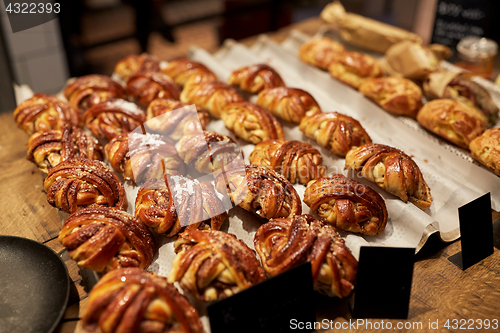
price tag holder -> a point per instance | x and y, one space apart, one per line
383 284
476 230
496 234
271 306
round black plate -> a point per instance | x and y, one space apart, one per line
34 286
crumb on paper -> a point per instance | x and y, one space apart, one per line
426 160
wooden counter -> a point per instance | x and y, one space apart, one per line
440 290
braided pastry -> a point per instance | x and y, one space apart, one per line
283 244
133 64
392 170
185 72
260 190
141 157
210 96
251 122
103 239
212 265
208 151
255 78
132 300
335 131
347 205
320 52
112 118
147 86
44 112
295 160
353 68
177 124
89 90
77 183
289 104
180 203
49 148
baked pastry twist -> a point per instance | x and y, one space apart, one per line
289 104
78 183
392 170
212 265
144 87
133 64
132 300
283 244
208 151
255 78
112 118
210 96
347 205
177 124
44 112
335 131
178 204
320 52
260 190
103 239
89 90
251 122
185 72
295 160
141 157
452 120
486 149
353 68
396 95
49 148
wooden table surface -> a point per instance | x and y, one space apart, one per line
440 290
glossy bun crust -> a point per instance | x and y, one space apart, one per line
347 205
132 300
144 87
353 68
256 78
320 52
104 239
185 72
283 244
213 265
133 64
486 149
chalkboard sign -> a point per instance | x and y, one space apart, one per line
456 19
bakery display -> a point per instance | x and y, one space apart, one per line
353 68
78 183
486 149
210 96
396 95
176 124
452 120
185 72
251 122
295 160
283 244
213 265
133 64
144 87
49 148
208 151
392 170
89 90
334 131
260 190
255 78
140 157
289 104
347 204
132 300
44 112
103 239
320 52
113 118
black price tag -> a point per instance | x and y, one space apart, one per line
476 230
275 305
383 284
